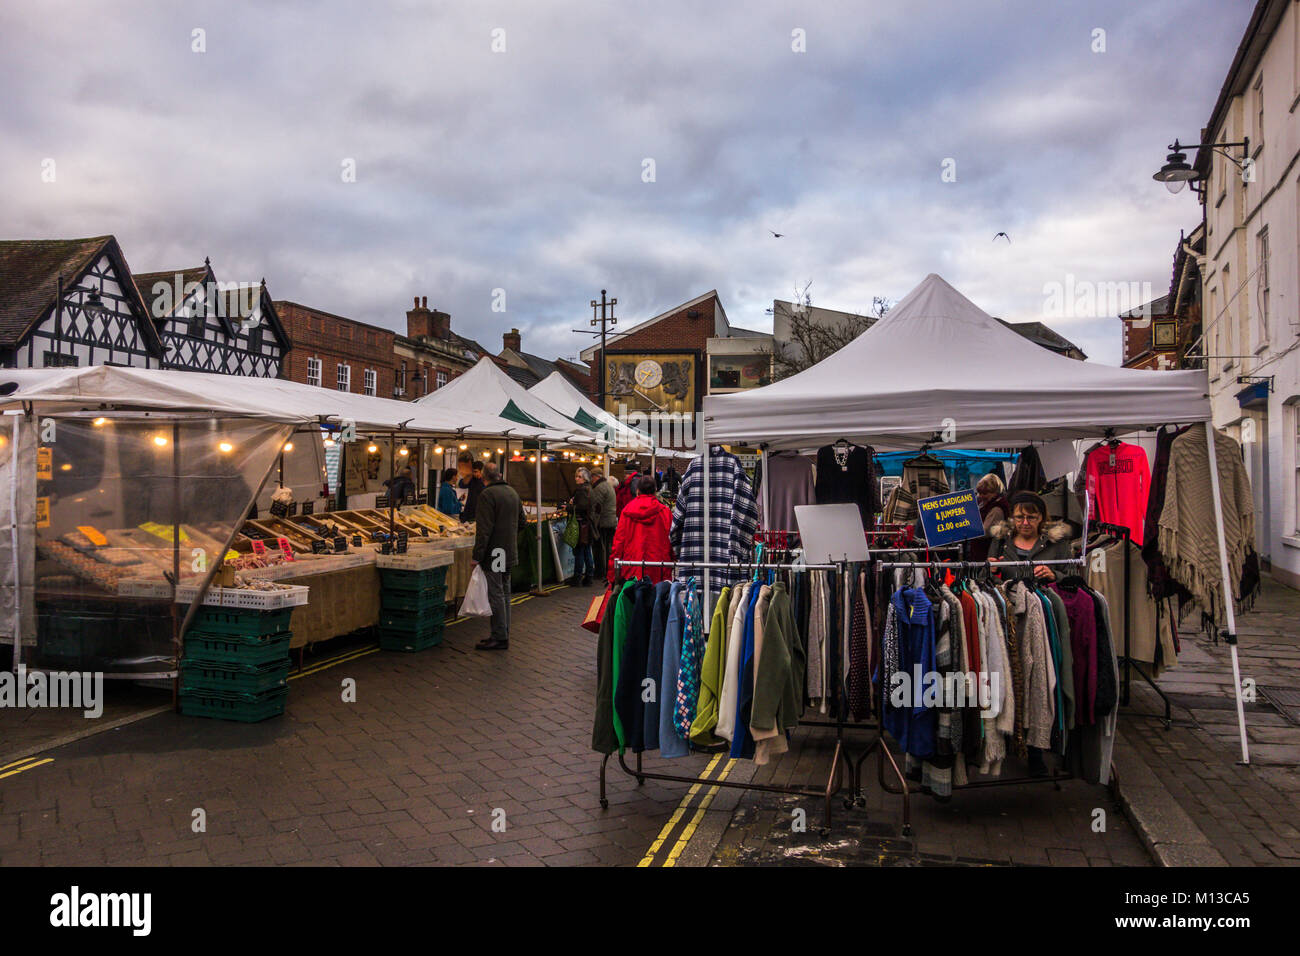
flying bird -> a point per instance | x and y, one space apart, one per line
778 235
1001 235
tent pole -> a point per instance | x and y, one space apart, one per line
708 596
176 559
538 589
767 488
1229 609
13 545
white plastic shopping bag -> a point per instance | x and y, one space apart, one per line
476 602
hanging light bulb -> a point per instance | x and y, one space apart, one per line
288 446
403 451
463 446
502 451
100 422
437 450
372 448
487 454
226 447
160 441
532 458
329 442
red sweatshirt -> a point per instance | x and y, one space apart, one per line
1119 486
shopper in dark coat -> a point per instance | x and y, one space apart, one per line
496 537
580 507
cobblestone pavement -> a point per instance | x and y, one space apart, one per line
1248 815
413 772
409 774
1034 824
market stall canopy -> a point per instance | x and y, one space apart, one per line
563 396
71 390
938 363
485 390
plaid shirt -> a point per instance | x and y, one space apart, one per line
733 517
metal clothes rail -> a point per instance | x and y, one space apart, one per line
904 790
842 763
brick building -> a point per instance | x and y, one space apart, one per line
430 354
333 352
528 369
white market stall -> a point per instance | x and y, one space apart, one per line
184 441
939 370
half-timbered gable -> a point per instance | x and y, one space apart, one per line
72 302
209 326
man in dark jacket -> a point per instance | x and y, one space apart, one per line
604 515
580 507
496 535
474 485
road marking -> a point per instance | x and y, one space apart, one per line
30 766
689 832
341 659
682 807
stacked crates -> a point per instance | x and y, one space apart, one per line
413 608
236 664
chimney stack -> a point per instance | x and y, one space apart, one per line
418 320
511 340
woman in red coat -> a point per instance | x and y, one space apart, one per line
642 535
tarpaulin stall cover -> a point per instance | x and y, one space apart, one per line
939 367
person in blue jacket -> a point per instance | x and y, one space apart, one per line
448 503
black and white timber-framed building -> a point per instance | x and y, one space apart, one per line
75 302
206 326
72 302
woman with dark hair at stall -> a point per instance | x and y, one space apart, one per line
1029 535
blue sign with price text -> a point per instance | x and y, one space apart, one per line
949 518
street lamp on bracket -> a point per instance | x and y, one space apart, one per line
1177 173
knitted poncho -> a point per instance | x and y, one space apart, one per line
1188 541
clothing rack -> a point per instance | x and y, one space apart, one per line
1126 535
904 790
841 762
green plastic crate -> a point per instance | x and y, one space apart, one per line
237 648
391 640
394 580
229 676
223 705
412 620
222 620
425 600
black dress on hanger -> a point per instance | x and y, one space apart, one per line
846 474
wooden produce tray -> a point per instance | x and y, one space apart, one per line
299 539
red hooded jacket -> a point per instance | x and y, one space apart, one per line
642 534
626 490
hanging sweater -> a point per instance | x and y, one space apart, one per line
670 744
778 678
711 676
1188 540
733 515
731 674
789 483
913 724
1118 481
632 667
622 617
742 742
655 663
1031 631
604 740
1081 615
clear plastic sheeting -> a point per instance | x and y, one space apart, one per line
126 509
17 531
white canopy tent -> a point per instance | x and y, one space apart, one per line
487 391
938 362
939 370
71 390
563 396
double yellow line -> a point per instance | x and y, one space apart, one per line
27 763
687 832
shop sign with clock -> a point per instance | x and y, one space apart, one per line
661 382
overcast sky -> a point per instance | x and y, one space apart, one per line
523 169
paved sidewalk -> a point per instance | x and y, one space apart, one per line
1223 812
438 746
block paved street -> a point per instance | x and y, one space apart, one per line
413 771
